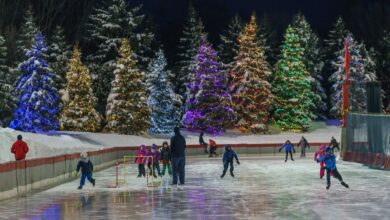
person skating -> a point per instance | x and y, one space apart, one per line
155 161
334 144
227 159
303 144
318 154
201 142
213 148
330 166
19 148
86 167
140 160
178 146
165 157
289 148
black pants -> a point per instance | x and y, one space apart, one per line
336 175
290 155
141 170
178 169
226 166
212 151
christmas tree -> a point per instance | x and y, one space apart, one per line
313 60
79 113
250 88
7 100
164 104
209 103
187 49
292 86
127 109
229 47
37 109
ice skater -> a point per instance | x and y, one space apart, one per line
227 159
201 142
86 167
334 144
303 143
155 158
318 154
289 148
213 148
330 166
140 160
165 157
19 148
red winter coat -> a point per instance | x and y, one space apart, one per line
20 149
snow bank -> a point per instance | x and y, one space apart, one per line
42 145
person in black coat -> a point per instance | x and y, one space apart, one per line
86 167
201 142
178 146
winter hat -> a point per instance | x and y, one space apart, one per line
84 155
228 147
322 146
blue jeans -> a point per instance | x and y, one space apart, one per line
85 175
178 164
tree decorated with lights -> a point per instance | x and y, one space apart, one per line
37 109
78 113
229 47
292 86
127 109
251 91
209 101
164 104
7 100
313 60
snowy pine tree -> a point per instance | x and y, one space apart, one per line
210 103
229 47
37 109
79 112
7 100
164 104
251 91
127 109
187 49
267 37
292 86
357 77
313 60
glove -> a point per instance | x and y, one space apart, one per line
280 149
318 161
294 151
238 162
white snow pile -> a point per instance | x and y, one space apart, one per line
43 145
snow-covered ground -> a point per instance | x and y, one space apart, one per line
42 145
263 188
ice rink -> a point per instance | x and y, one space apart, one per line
264 188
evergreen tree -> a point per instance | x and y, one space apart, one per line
267 37
127 109
187 49
209 103
313 60
7 100
58 54
164 104
37 109
229 47
79 112
251 90
292 86
384 66
357 77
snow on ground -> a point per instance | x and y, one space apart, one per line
263 188
42 145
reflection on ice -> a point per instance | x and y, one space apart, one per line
263 188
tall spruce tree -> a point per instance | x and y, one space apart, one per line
164 104
37 109
210 103
127 109
187 49
251 91
292 86
313 60
79 112
229 47
267 37
7 100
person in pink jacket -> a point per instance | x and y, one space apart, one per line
140 160
318 154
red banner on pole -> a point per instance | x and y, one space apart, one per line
345 90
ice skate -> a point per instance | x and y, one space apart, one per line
344 184
93 182
139 176
232 174
328 186
80 187
222 176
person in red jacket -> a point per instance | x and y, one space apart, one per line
20 149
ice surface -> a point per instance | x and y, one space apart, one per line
264 188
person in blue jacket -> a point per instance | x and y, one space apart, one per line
289 148
227 159
86 167
330 166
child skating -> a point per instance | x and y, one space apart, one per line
227 159
303 143
330 166
155 158
140 160
318 154
289 148
86 167
165 158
